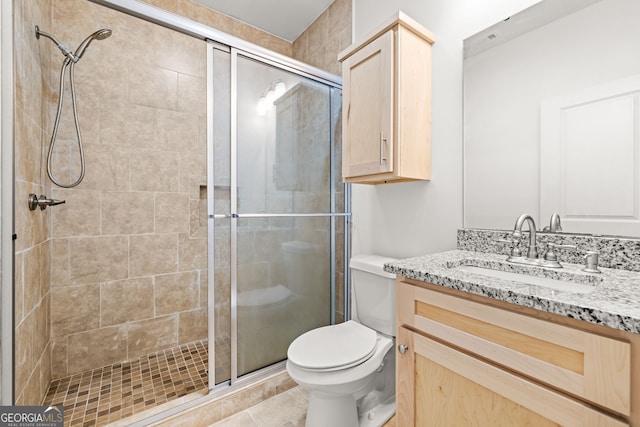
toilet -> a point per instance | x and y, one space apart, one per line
348 369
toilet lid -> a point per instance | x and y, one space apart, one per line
333 347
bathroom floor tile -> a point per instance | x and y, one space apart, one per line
110 393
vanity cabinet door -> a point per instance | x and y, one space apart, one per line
441 386
583 364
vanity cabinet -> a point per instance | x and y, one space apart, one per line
386 113
465 360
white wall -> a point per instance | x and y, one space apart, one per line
411 219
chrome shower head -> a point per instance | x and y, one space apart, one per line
98 35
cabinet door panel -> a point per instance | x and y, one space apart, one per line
454 388
587 365
368 95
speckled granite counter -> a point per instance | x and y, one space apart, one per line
614 302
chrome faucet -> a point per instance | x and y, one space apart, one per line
554 224
532 250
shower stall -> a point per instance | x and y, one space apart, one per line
211 227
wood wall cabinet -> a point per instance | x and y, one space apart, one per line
386 112
469 361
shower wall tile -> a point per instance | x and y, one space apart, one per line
76 217
153 254
98 259
24 360
192 252
192 325
126 124
153 87
109 168
204 285
59 366
60 262
127 212
126 300
327 36
178 53
75 309
175 131
95 348
18 288
41 313
148 336
176 292
100 81
154 171
32 391
171 212
190 90
28 153
169 5
32 278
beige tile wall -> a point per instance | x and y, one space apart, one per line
121 268
32 256
327 36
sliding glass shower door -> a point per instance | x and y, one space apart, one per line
274 210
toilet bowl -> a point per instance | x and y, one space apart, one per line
349 368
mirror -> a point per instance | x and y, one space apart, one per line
552 118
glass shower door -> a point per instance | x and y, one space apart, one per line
283 203
273 139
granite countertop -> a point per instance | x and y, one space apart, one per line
614 301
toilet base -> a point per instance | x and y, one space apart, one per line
326 411
378 415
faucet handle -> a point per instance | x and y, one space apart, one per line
515 251
591 262
551 257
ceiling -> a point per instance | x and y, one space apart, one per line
286 19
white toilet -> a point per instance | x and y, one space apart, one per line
349 369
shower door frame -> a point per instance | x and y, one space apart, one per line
234 53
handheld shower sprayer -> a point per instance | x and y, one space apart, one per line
98 35
71 58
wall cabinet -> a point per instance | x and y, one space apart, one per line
467 362
386 113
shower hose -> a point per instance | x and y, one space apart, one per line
70 64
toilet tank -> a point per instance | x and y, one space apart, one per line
374 293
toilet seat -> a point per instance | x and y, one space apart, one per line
335 347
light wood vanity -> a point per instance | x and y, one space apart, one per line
474 360
386 81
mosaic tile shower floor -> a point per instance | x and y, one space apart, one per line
113 392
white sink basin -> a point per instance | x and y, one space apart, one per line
561 285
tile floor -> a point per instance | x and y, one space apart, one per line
113 392
287 409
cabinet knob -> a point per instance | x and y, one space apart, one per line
402 348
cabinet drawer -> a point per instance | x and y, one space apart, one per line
581 363
449 387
